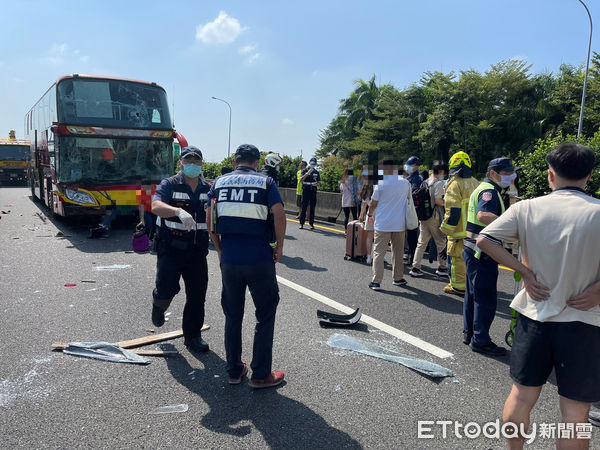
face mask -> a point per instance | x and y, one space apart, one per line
409 169
365 173
277 168
506 180
192 170
313 165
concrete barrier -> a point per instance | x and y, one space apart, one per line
329 204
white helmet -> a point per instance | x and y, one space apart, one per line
273 159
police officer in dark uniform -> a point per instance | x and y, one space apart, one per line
240 232
479 308
310 179
180 202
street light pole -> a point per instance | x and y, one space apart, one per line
587 65
229 141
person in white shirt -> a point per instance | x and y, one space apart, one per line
388 206
559 314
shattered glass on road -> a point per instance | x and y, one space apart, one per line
367 348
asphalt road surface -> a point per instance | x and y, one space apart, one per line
332 398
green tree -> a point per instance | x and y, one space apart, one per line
533 179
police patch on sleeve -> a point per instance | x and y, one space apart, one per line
486 196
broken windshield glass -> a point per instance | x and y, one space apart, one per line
368 348
113 160
112 103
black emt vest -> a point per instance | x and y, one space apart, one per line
171 228
241 202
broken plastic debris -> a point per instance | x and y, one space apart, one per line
327 319
88 281
168 314
170 409
114 267
425 367
70 285
104 351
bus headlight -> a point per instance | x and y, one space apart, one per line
79 197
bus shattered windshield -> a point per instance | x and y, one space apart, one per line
113 160
112 103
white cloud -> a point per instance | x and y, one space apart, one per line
287 122
252 58
56 53
222 30
247 49
250 52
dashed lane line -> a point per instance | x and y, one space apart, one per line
408 338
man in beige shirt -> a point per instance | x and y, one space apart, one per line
559 314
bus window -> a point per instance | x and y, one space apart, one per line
112 103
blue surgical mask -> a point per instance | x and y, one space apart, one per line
409 169
506 180
192 170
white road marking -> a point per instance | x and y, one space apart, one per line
408 338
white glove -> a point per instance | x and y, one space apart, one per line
186 219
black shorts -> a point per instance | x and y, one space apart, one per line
299 201
572 349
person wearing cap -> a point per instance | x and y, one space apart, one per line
240 202
411 170
479 307
182 246
456 200
310 178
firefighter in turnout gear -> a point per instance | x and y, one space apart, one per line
180 203
479 307
239 206
456 200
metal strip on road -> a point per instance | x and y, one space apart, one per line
408 338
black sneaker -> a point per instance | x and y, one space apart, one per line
441 272
400 282
414 272
312 228
467 338
375 286
301 227
158 316
490 349
196 344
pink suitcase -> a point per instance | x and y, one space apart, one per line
356 241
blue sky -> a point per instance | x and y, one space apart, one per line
283 66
